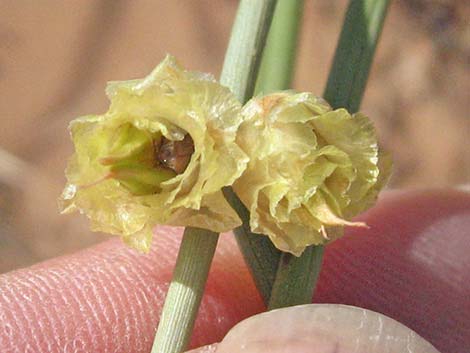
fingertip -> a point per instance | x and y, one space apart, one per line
108 298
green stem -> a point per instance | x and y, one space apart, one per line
239 73
277 65
296 278
362 26
275 74
197 247
246 45
258 251
186 290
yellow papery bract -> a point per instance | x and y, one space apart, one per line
310 168
110 175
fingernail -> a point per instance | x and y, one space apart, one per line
206 349
322 328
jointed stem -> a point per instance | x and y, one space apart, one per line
275 73
295 279
198 246
186 290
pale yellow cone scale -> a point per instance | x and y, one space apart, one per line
116 177
310 168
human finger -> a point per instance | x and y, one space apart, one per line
108 298
112 295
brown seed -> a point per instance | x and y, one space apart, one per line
175 155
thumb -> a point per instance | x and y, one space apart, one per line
321 328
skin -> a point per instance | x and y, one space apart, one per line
411 265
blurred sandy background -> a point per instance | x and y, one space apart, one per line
56 56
